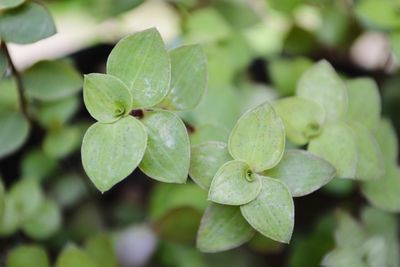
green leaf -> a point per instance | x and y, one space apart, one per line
303 119
2 199
234 184
188 78
14 131
45 221
337 144
343 257
364 102
9 222
208 132
370 164
375 250
51 80
106 97
56 113
349 233
222 228
60 143
142 63
28 255
378 14
9 99
272 212
26 24
321 84
110 152
205 160
101 249
72 256
69 190
258 138
27 197
386 137
383 193
302 172
167 156
37 165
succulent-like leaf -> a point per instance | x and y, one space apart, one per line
258 138
110 152
142 63
222 228
272 212
167 156
234 184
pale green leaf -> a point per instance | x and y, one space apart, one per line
5 4
72 256
62 142
51 80
258 138
302 172
383 193
208 132
303 119
321 84
57 113
375 251
167 156
9 222
69 190
370 159
106 97
9 99
37 165
14 131
272 212
337 144
188 78
343 257
45 221
205 160
142 63
27 197
101 249
386 137
106 148
222 228
364 102
234 184
349 233
378 14
28 255
28 23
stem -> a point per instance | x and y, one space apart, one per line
18 79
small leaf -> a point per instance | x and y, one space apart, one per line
386 137
14 131
208 132
205 160
45 221
110 152
106 97
26 24
375 252
56 113
167 156
349 233
37 165
27 197
364 102
142 63
188 78
101 249
303 119
9 222
9 99
72 256
302 172
222 228
62 142
51 80
258 138
272 212
321 84
383 193
28 255
370 159
337 145
343 257
234 184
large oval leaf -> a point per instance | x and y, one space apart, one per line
5 4
14 131
110 152
272 212
222 228
234 184
188 77
26 24
106 97
205 160
51 80
386 137
72 256
258 138
321 84
303 119
337 145
370 159
142 63
167 157
364 102
302 172
28 255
